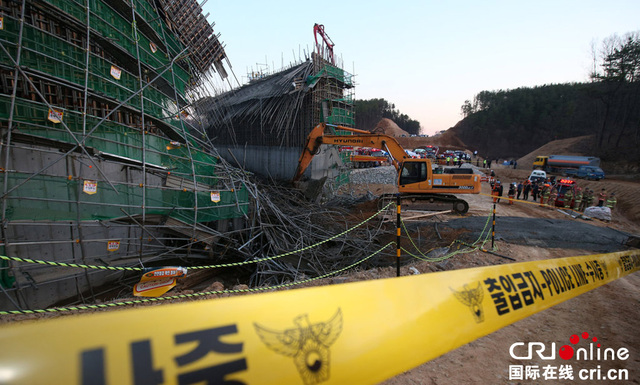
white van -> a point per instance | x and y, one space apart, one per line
537 176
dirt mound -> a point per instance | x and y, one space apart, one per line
579 145
389 127
446 141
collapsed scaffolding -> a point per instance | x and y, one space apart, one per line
102 161
106 158
277 111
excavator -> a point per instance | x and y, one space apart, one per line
420 185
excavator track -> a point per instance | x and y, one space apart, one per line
430 202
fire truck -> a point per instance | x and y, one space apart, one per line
562 186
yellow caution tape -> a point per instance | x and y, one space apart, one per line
353 333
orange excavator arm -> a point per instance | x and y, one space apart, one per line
317 138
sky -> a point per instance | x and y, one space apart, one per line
427 57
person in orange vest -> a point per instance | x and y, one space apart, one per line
494 192
602 197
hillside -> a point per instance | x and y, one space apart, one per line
512 123
580 145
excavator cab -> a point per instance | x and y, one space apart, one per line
413 172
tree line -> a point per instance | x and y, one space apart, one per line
512 123
370 112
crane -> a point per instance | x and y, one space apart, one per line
318 29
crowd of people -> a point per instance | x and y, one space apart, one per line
551 194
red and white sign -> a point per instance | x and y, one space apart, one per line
90 187
116 72
113 245
55 116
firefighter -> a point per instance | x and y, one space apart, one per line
611 201
512 192
553 196
544 195
578 200
602 197
589 201
568 197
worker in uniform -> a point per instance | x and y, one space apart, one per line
494 192
534 191
602 197
500 190
589 200
568 197
525 191
519 189
553 196
544 195
611 201
577 205
512 192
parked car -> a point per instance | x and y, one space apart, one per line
537 176
586 172
412 154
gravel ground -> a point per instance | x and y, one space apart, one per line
547 233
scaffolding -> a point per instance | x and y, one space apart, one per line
103 158
279 110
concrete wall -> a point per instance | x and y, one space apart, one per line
280 163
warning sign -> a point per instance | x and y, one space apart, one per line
113 245
90 187
215 196
55 116
116 72
153 288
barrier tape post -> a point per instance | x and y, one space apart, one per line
493 227
398 224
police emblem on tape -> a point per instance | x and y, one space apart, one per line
307 343
472 298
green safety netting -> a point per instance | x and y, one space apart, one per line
120 31
331 72
341 116
32 118
55 198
